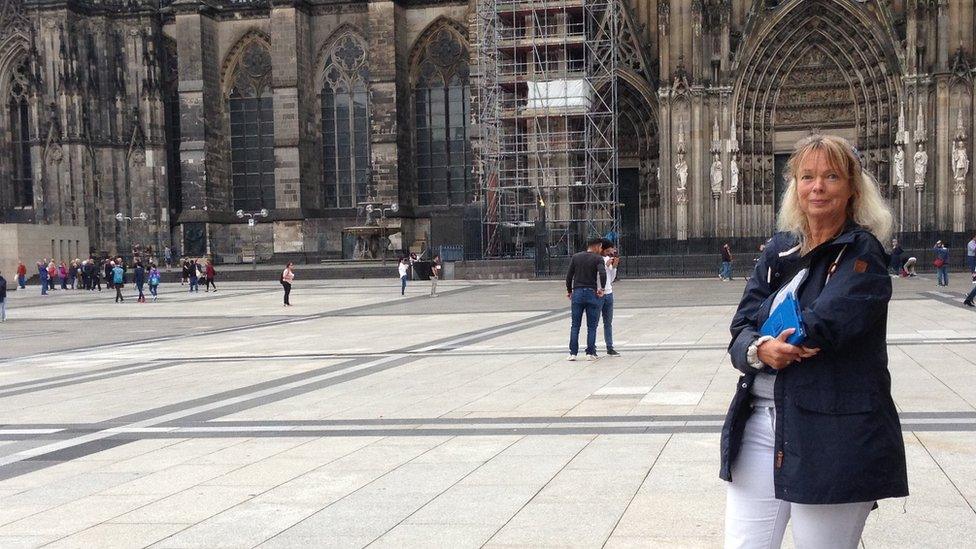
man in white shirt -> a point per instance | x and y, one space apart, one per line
611 260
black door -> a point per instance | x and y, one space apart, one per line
629 198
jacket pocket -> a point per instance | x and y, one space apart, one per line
835 403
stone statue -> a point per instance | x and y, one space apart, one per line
960 161
716 175
733 176
921 160
681 169
900 167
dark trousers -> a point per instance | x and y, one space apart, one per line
607 313
584 300
403 284
287 287
142 296
118 293
210 284
22 281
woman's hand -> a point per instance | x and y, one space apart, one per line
778 354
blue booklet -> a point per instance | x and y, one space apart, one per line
787 315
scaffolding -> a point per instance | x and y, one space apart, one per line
548 116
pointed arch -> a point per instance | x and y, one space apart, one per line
16 121
236 56
249 103
780 88
342 81
440 84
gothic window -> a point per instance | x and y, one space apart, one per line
345 124
251 106
441 112
171 105
19 116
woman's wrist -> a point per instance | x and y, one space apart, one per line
752 353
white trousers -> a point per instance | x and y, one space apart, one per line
755 519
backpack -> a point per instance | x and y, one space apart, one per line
154 280
117 276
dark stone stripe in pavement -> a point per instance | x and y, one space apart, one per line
76 379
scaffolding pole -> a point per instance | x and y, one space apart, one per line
548 115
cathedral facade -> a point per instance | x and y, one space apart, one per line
303 115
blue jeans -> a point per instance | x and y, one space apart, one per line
607 311
584 300
194 284
153 290
943 275
403 284
3 310
44 286
22 281
726 270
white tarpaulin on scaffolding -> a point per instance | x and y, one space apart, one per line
560 94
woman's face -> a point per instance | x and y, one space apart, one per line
823 190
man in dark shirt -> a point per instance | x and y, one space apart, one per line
585 281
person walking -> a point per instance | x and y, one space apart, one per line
287 276
194 273
43 277
168 257
73 275
725 273
185 274
971 255
812 434
63 274
897 254
21 275
210 273
139 278
154 278
435 275
585 282
611 259
96 275
118 281
404 269
941 263
3 298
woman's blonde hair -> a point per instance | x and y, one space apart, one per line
866 207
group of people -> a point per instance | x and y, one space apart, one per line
589 287
405 268
192 272
88 275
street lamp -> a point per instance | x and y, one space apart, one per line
251 222
122 218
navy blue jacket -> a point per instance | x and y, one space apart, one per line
838 438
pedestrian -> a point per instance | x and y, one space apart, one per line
194 273
611 259
73 275
971 255
972 294
725 273
118 281
941 263
52 276
168 257
435 275
287 276
210 273
21 275
908 269
139 277
3 298
154 277
404 269
108 266
585 281
63 275
43 277
896 256
96 279
812 434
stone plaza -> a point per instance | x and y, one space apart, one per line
358 417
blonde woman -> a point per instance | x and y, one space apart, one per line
812 434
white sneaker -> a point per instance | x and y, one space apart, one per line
592 358
571 358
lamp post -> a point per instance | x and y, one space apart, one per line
122 218
251 222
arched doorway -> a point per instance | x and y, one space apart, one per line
817 65
637 149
